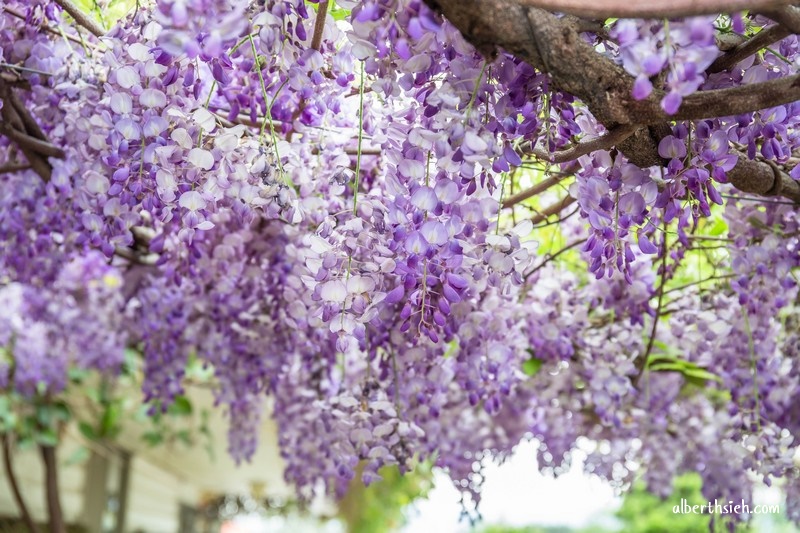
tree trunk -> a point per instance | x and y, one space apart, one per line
12 480
51 490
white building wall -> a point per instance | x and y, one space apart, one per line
154 497
29 470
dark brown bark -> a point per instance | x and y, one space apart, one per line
19 126
319 25
12 481
788 17
55 516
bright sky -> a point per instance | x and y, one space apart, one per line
516 494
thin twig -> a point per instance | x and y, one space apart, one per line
762 200
81 18
641 362
694 283
761 40
24 69
554 209
14 13
552 257
604 142
533 191
558 220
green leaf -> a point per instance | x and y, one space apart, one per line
452 348
131 362
756 222
668 367
532 366
153 438
8 418
718 228
61 412
692 372
87 430
180 407
44 415
109 425
47 437
78 456
25 442
702 374
184 436
77 375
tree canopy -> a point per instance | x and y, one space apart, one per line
425 230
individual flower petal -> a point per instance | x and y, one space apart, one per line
192 200
424 198
152 98
333 291
201 158
127 77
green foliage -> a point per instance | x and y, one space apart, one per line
668 360
99 406
338 13
532 366
379 507
644 512
109 14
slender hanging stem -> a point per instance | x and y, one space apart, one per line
268 105
360 140
475 91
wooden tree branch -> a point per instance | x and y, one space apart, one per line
758 42
603 142
31 126
552 257
554 46
736 100
12 481
81 18
13 167
11 124
788 17
319 24
26 141
650 8
533 191
764 179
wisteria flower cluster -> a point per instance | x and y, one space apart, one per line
318 210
